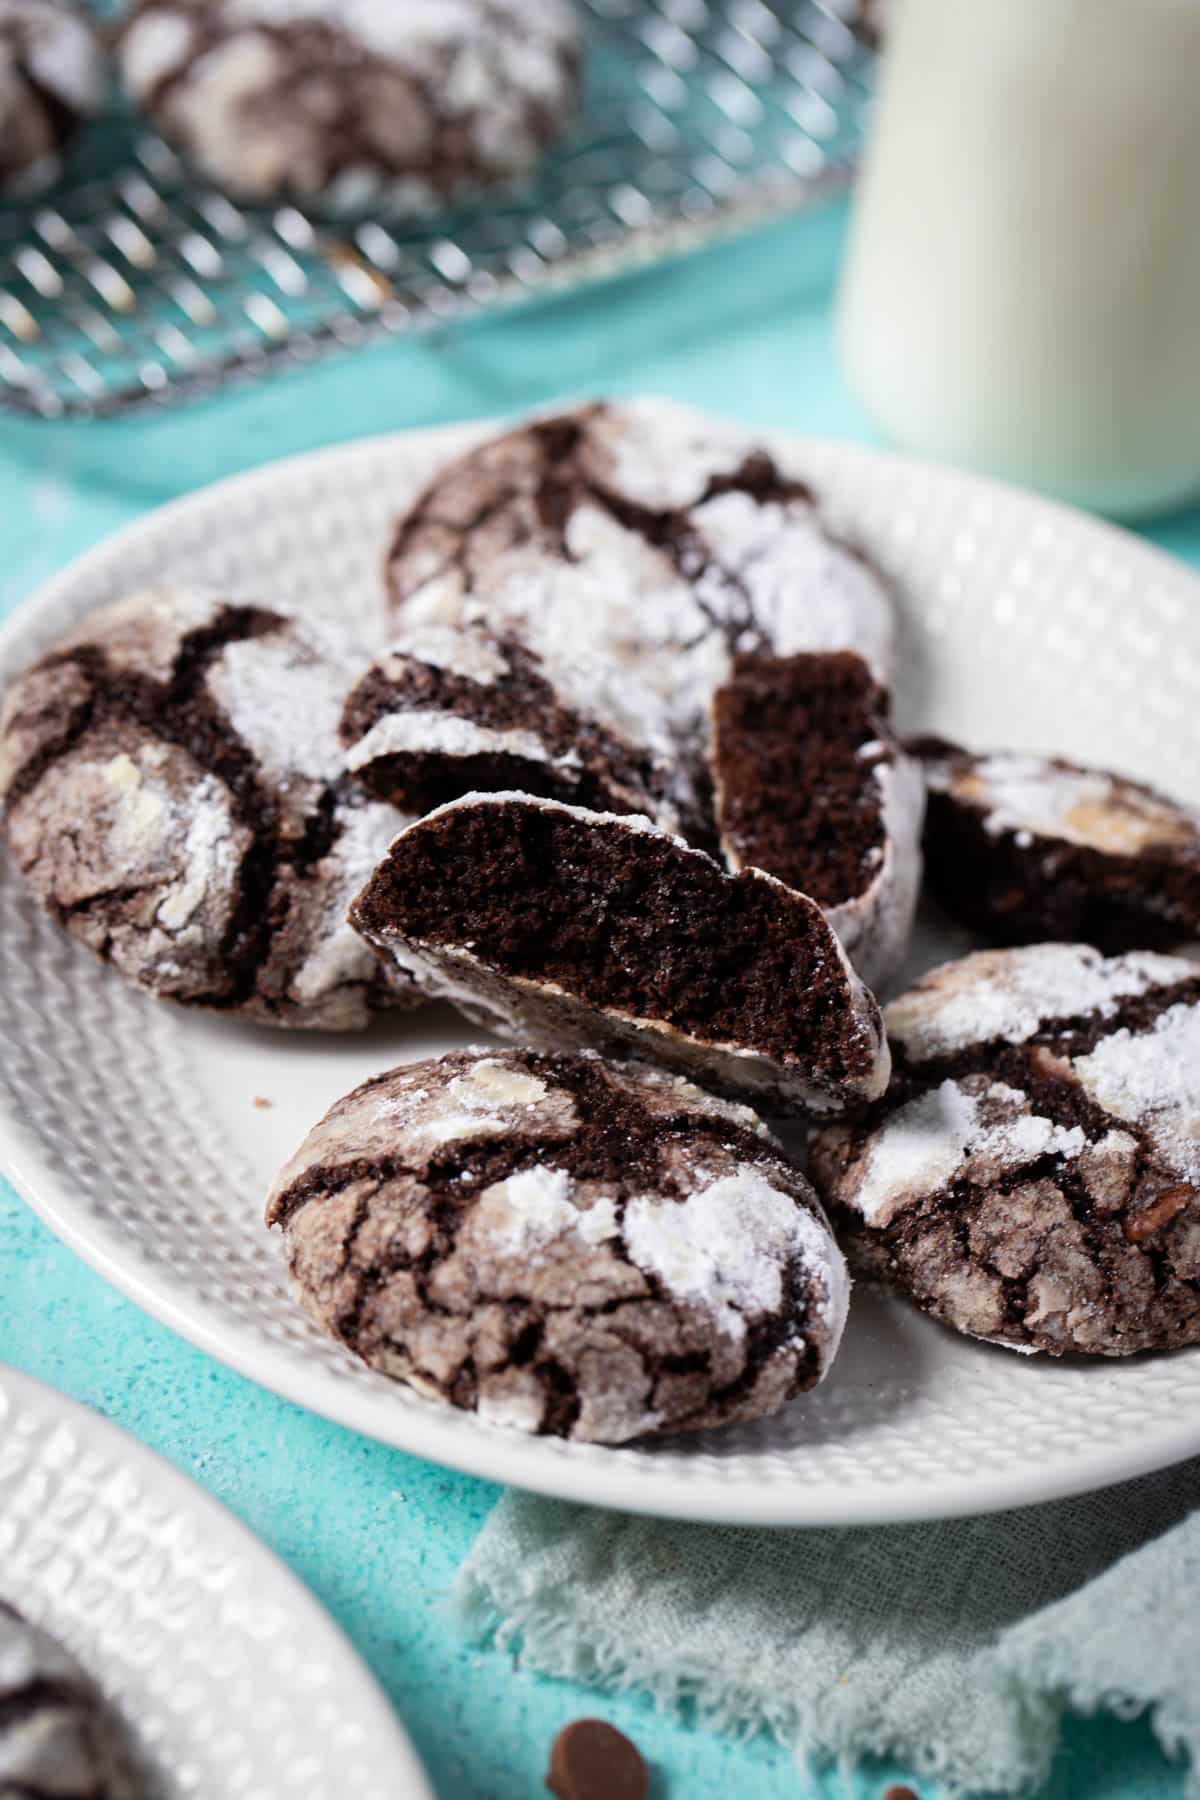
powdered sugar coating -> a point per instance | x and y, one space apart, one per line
52 76
447 706
418 28
443 734
728 1246
1152 1079
624 1255
1046 798
525 1212
174 794
662 568
1009 995
476 656
976 1130
1042 1190
283 695
355 100
59 48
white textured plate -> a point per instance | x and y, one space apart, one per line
228 1675
134 1128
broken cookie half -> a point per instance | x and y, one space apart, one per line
810 785
564 1245
562 927
1033 1174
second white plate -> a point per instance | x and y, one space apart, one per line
228 1676
147 1137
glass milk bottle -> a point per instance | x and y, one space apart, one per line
1022 285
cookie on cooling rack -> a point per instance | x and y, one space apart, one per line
562 927
53 76
640 536
1033 1174
350 102
563 1245
811 785
452 710
57 1736
1026 847
173 793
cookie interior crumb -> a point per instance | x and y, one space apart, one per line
796 740
630 920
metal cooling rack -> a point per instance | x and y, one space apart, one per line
133 283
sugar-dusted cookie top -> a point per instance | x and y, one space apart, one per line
349 101
564 1245
1027 848
1033 1173
53 76
642 536
173 793
448 710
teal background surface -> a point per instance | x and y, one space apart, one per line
745 330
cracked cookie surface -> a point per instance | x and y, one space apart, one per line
448 711
563 1245
58 1738
563 927
1033 1174
53 76
173 793
348 101
639 536
1026 848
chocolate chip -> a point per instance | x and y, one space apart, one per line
590 1760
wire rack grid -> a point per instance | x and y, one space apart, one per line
133 283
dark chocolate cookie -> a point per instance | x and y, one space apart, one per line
1033 1174
811 785
351 101
53 75
450 711
643 537
562 927
563 1245
1026 848
173 793
58 1738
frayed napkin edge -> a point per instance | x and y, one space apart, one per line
507 1615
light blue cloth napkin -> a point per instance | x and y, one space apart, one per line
953 1648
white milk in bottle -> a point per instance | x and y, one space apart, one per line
1022 287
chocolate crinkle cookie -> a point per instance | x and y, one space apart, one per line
1029 847
642 537
448 711
53 76
811 785
356 101
59 1740
561 927
1033 1174
563 1245
173 793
